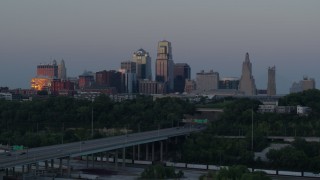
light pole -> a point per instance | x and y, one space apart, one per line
92 118
252 129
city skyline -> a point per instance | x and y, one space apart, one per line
98 35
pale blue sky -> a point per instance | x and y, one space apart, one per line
207 34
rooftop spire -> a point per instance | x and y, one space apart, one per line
247 57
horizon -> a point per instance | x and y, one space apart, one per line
208 35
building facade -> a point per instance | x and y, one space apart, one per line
190 86
247 84
164 65
48 70
62 70
305 84
229 83
143 64
271 87
207 81
182 72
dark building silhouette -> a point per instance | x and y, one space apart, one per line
109 79
271 89
182 72
247 84
143 64
164 65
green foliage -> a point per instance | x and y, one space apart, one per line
160 172
68 119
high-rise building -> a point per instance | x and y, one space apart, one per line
182 72
62 70
164 64
247 84
109 79
207 81
86 80
143 64
305 84
229 83
48 70
271 88
190 85
129 66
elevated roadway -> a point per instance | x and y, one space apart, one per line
40 154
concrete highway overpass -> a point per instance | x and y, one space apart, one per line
89 147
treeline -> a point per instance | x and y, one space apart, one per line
239 116
57 119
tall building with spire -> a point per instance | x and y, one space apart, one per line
62 70
271 89
165 65
143 64
247 84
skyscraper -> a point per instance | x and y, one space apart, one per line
207 81
62 71
182 72
271 89
48 70
164 65
247 84
143 64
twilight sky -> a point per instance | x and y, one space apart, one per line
97 35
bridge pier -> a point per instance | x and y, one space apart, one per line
37 166
68 166
60 165
28 168
161 153
87 160
46 164
133 153
138 151
147 152
116 159
152 159
52 164
123 157
92 155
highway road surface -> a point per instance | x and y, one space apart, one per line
34 155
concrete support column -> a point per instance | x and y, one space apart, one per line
52 164
152 159
101 159
28 168
138 151
161 149
37 166
22 169
7 172
133 153
68 166
46 164
116 159
123 157
92 160
166 148
147 152
13 171
87 160
107 157
60 165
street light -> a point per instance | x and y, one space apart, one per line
92 118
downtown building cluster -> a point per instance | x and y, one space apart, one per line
135 77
